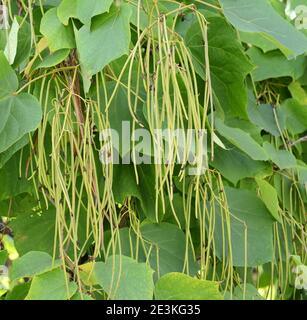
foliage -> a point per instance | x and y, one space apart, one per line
76 227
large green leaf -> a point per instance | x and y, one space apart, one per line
263 116
296 115
106 40
51 3
235 165
58 35
52 285
269 197
176 205
12 184
260 17
119 114
82 10
251 293
124 278
21 204
19 114
274 65
18 42
241 140
228 64
12 41
24 42
298 92
34 232
53 59
258 40
168 251
8 78
31 264
3 39
19 292
129 244
7 155
282 158
302 175
251 232
148 195
125 185
178 286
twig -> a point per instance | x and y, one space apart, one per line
300 140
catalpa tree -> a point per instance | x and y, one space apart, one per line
153 150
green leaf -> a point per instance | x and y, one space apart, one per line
269 197
228 64
108 39
298 92
296 115
52 285
258 40
147 190
34 232
118 113
279 7
247 126
3 39
251 293
77 296
168 248
260 17
235 165
58 35
12 41
263 116
8 78
12 184
3 256
19 292
53 59
22 204
82 10
250 229
7 155
51 3
178 286
282 158
125 184
124 279
18 115
128 245
177 202
285 191
302 175
31 264
241 140
274 65
24 42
